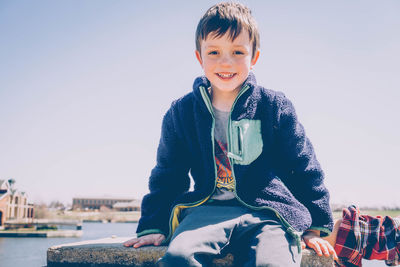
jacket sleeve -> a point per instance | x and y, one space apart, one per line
168 179
299 169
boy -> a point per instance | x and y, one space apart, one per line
257 184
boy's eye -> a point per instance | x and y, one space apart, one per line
238 53
213 53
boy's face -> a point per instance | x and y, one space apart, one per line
227 63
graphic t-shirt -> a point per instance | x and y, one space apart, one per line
225 182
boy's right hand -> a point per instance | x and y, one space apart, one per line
151 239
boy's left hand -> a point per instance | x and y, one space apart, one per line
320 246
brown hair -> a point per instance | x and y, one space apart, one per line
228 17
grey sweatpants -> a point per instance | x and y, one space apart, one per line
256 238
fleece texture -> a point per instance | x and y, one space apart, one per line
286 176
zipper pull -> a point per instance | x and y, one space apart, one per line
240 138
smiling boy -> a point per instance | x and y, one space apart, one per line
258 187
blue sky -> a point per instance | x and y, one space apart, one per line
84 85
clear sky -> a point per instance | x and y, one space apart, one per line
84 85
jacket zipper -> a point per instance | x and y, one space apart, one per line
197 203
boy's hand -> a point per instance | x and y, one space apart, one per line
320 246
151 239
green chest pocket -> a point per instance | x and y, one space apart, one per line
245 141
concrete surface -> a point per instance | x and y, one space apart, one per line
109 252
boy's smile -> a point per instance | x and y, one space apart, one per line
227 63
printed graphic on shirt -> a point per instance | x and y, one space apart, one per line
224 172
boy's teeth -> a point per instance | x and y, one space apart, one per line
225 75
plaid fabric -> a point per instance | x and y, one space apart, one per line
368 237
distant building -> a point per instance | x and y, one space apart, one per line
97 203
13 204
127 206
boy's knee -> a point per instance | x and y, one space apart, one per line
180 253
177 252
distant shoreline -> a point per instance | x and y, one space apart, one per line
41 233
95 216
371 212
134 216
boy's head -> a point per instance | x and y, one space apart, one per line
227 42
231 18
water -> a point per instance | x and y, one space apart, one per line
27 252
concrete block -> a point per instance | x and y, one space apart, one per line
109 252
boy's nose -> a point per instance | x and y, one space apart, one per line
226 60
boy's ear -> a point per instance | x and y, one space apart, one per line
198 56
255 58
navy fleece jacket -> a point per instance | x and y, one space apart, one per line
279 171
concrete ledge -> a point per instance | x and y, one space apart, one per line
109 252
